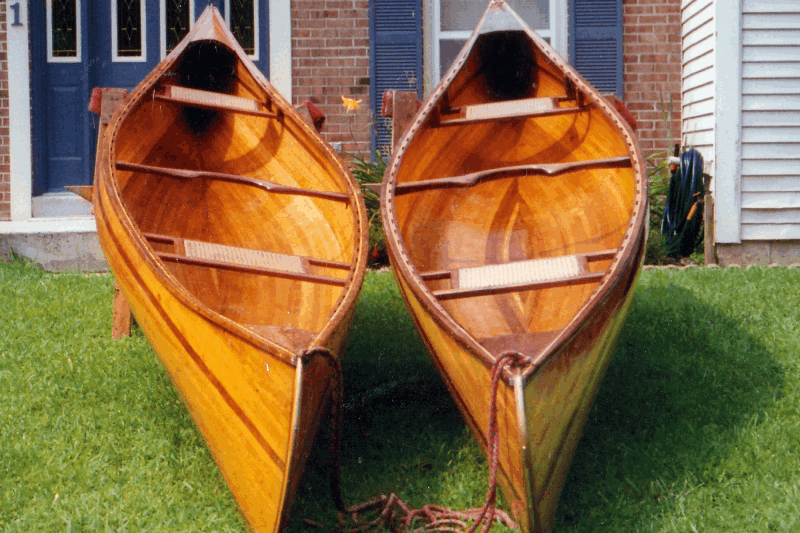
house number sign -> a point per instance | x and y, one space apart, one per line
15 9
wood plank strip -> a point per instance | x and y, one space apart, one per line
453 294
182 259
436 274
214 101
232 178
544 169
156 237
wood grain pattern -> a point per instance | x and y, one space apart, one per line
230 335
514 183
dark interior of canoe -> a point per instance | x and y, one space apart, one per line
243 207
514 196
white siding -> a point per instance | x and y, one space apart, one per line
697 99
770 183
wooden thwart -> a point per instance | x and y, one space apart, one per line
544 169
233 178
214 101
518 275
212 255
525 108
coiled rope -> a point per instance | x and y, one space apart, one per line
392 512
682 219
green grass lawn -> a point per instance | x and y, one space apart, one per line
696 426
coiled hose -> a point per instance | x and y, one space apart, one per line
682 218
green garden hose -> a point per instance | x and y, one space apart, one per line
682 218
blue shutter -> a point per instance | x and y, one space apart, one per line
595 42
395 56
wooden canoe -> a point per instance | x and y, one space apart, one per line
515 214
240 242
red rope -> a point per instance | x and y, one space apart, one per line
435 518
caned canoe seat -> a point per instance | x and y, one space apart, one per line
212 255
233 178
518 275
543 169
525 108
213 100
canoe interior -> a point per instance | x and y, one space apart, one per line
515 216
163 133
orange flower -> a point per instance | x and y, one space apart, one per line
350 104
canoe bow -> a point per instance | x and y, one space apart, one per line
515 212
240 242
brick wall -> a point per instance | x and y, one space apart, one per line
652 70
5 158
330 59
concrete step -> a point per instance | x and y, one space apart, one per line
60 205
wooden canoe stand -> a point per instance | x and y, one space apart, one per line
104 102
401 107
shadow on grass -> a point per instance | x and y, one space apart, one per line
402 431
684 380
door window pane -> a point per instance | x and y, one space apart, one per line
129 28
243 24
64 28
178 19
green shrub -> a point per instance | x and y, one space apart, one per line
366 172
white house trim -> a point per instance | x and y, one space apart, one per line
728 123
19 120
280 47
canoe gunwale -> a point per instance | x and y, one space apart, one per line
106 171
622 261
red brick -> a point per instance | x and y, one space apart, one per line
652 52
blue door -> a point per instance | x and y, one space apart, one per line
77 45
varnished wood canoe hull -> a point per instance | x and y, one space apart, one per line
230 331
515 212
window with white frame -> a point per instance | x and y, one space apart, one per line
242 19
63 31
128 38
452 21
177 18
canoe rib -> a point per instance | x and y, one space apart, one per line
544 169
233 178
213 100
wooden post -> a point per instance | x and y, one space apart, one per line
709 249
402 107
311 115
104 102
